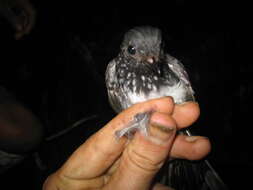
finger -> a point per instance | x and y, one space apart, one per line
190 148
19 35
26 21
144 156
102 149
163 105
186 114
30 18
20 25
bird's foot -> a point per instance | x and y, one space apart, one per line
139 122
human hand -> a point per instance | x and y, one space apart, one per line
103 162
20 14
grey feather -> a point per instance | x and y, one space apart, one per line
132 78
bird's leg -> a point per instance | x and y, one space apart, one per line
139 122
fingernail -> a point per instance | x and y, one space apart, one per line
191 138
160 132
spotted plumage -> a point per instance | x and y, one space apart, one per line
143 71
147 73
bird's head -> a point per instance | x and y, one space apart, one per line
143 44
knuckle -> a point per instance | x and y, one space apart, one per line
143 162
170 99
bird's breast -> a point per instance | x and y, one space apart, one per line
136 85
178 92
139 88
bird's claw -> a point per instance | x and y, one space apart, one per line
139 123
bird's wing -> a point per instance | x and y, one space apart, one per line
110 75
178 68
184 174
112 85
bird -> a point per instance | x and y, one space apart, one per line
141 71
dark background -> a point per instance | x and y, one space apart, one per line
58 72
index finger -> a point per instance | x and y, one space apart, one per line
100 151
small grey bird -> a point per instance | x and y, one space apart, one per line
143 71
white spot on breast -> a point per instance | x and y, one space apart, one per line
128 75
121 73
177 92
155 77
171 66
134 82
149 86
143 78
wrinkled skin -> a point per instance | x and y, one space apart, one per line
104 162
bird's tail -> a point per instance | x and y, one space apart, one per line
189 175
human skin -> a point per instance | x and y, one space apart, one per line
104 162
21 15
20 130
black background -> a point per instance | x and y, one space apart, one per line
46 71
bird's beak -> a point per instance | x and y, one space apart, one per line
150 60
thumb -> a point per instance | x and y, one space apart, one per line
144 156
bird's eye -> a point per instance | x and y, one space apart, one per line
131 50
